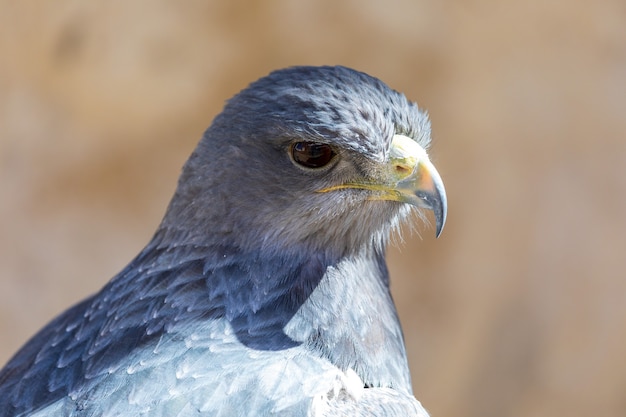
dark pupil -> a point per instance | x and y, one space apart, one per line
311 154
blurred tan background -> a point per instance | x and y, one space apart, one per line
519 309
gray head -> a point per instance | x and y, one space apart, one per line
309 157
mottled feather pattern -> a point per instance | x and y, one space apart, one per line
210 309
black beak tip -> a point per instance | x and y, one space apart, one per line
436 202
440 209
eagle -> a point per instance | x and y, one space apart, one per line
264 290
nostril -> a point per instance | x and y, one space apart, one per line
402 169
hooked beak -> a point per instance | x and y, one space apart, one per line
418 182
408 177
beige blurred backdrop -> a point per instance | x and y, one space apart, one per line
519 309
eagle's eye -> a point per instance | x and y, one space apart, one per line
312 154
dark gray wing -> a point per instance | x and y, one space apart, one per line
33 378
169 337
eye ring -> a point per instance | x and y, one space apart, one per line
312 155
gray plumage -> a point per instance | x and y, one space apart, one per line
264 289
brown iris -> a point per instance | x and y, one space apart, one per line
312 154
